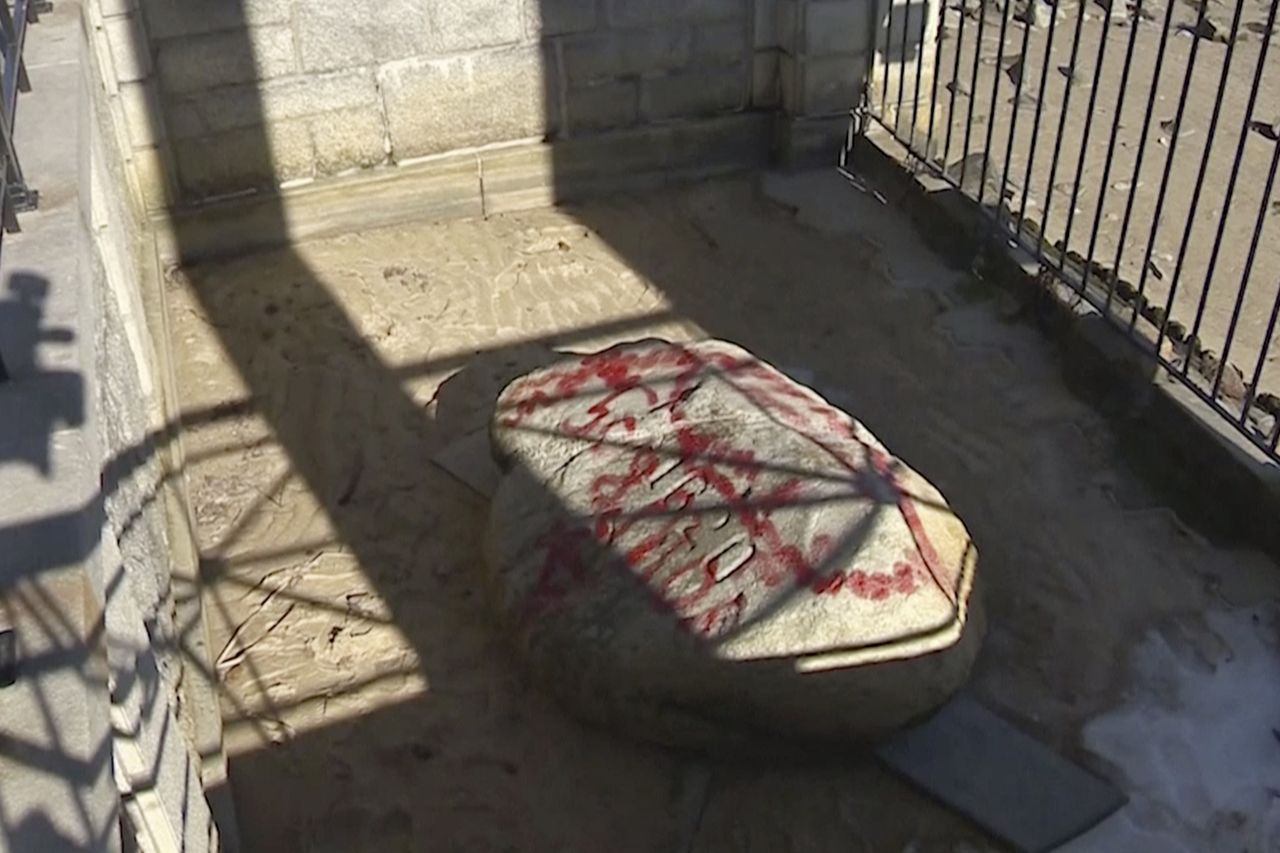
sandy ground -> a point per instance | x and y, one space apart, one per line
984 109
369 702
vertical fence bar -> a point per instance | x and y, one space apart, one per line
1252 392
1235 174
1013 117
11 46
1088 131
16 32
24 11
1199 186
955 82
13 79
973 88
915 106
1244 286
863 112
1062 127
888 30
14 180
937 69
13 42
995 108
1164 179
902 60
1035 128
1137 165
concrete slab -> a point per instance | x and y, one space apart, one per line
1008 783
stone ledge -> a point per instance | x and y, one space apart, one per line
1211 474
468 184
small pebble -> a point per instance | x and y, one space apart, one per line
1074 76
1266 129
1232 383
1014 69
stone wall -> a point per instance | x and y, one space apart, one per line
223 96
166 751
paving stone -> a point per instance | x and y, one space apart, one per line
1002 779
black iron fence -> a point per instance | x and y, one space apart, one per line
16 195
1131 146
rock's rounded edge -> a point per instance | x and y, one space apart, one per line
952 648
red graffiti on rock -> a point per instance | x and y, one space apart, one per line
717 494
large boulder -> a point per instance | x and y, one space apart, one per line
692 547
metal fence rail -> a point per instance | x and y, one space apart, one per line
15 195
1131 148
